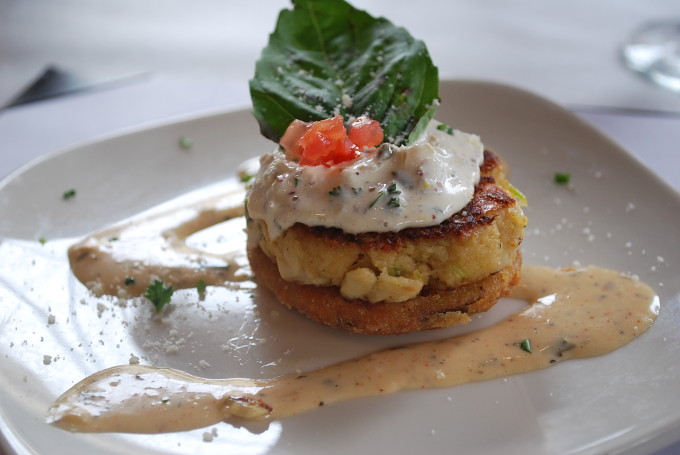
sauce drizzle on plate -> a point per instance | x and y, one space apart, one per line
572 313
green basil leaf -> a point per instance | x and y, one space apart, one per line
326 57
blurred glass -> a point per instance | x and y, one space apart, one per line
653 50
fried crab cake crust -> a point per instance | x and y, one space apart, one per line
429 310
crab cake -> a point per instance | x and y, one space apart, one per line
399 281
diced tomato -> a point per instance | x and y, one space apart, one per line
333 127
315 145
328 154
290 138
365 132
322 137
326 142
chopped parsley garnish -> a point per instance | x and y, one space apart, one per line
562 178
186 143
392 188
42 240
394 202
297 181
200 287
356 190
335 191
525 345
159 294
245 178
69 194
113 239
130 281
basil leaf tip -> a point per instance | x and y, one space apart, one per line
326 57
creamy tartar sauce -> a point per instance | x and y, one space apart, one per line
387 189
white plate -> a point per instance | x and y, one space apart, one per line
616 214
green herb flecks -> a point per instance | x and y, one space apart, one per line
159 294
185 143
394 200
445 127
200 287
525 345
69 194
337 191
42 240
356 190
130 281
375 201
562 178
324 51
245 178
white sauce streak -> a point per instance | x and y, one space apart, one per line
388 190
574 313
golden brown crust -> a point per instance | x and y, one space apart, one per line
429 310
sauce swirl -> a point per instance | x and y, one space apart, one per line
123 259
573 313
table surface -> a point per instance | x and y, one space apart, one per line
197 57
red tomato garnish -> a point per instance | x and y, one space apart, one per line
365 132
326 142
290 138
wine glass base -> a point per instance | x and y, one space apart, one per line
654 51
